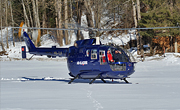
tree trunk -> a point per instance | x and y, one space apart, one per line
44 16
38 22
89 16
138 43
66 21
60 23
30 13
58 7
71 20
141 48
138 10
35 13
6 3
176 46
35 10
88 13
79 14
12 24
25 14
97 15
134 14
171 43
2 45
138 36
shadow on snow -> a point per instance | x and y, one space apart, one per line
97 81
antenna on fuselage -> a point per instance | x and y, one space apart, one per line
97 41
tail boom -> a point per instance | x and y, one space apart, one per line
50 52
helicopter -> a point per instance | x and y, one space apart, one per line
88 59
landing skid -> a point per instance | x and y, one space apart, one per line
97 77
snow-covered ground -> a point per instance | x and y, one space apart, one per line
42 83
154 86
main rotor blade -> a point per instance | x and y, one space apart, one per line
96 29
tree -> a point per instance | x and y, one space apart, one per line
12 23
37 22
25 14
2 45
6 5
66 21
161 14
58 7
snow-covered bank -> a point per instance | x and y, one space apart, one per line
154 86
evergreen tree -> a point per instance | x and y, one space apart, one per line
161 13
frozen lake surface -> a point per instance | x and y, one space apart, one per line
154 86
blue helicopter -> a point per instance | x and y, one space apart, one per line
88 59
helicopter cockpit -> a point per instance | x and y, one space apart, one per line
121 58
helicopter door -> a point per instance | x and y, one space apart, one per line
102 60
94 59
102 57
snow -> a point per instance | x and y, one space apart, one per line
154 86
42 83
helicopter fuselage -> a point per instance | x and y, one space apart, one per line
90 61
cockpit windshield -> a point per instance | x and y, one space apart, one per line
120 55
131 57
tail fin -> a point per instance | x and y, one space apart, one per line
28 41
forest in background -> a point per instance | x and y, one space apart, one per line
99 14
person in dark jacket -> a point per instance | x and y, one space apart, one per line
117 56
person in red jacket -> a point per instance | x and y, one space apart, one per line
109 55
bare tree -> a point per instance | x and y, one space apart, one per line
58 7
38 22
134 14
71 20
30 13
97 14
36 15
6 3
79 14
44 15
12 23
1 13
139 51
66 21
89 16
25 14
88 13
138 10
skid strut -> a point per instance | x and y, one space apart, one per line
125 80
97 77
29 58
76 77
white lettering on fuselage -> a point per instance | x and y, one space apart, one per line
82 62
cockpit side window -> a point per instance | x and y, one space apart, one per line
94 54
119 56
